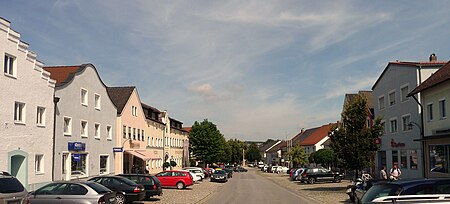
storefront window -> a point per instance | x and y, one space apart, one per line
382 158
413 159
438 158
403 159
104 164
394 157
79 165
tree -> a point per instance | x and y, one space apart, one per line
206 142
234 151
354 142
298 155
252 153
325 157
173 164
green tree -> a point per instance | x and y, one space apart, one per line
353 142
235 151
206 142
252 153
298 155
325 157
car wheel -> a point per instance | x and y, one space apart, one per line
120 199
311 180
180 185
337 179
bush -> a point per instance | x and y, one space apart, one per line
166 164
173 163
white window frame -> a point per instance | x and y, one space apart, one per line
391 130
107 164
97 101
19 112
389 98
84 98
8 69
40 116
69 127
97 130
109 132
39 163
430 115
84 129
382 106
406 98
408 127
443 109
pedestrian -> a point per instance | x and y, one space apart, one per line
147 169
383 174
395 173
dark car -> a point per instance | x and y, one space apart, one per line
11 190
229 172
126 190
73 192
219 175
405 187
313 175
151 183
240 169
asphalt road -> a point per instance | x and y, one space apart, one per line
251 188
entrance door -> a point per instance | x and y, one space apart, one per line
64 164
19 168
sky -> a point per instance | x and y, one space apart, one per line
257 69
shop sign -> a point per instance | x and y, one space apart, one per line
76 157
76 146
397 144
117 149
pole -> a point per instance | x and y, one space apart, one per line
55 102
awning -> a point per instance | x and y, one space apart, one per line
144 155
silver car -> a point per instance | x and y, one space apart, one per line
74 192
11 190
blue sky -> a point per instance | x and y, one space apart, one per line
257 69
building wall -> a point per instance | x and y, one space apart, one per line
155 131
400 141
176 141
30 85
70 106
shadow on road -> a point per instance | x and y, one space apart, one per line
337 188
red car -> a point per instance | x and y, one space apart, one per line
174 178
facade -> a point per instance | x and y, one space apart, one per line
155 134
398 142
85 123
318 139
275 155
26 112
130 135
177 142
267 146
434 93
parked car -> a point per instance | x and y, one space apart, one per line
219 175
210 171
260 164
73 192
196 173
313 175
11 190
174 178
280 169
404 187
296 174
272 169
151 183
264 168
240 169
126 190
229 172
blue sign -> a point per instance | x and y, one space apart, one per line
76 146
76 157
117 149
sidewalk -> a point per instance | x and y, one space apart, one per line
322 192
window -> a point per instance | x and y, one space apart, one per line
124 131
84 128
134 110
79 165
8 66
403 159
97 130
19 112
139 134
430 112
406 120
75 189
438 158
392 98
129 132
38 163
143 135
413 159
134 133
394 157
84 97
404 90
442 109
383 127
104 160
108 132
381 102
67 126
40 116
394 126
97 101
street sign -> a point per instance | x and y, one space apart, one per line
117 149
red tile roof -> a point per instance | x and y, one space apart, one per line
187 129
63 74
440 76
317 135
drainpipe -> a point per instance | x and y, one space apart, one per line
55 102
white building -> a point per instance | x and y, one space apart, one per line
399 143
26 112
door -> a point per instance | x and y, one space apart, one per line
19 169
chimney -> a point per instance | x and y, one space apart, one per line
433 57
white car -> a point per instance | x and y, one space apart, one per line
197 169
281 169
197 175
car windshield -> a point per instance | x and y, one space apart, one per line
98 188
382 190
10 185
128 181
219 172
